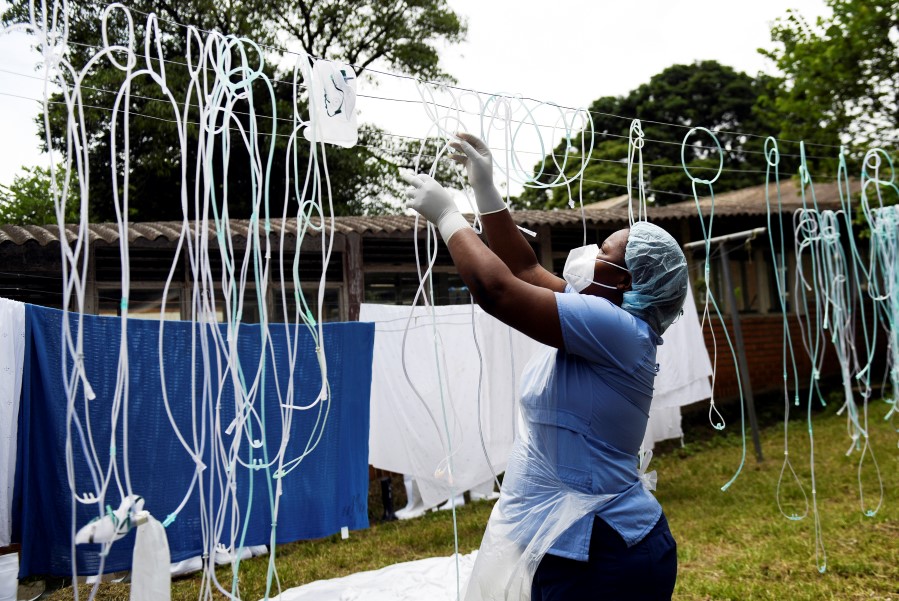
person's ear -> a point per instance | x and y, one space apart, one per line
625 284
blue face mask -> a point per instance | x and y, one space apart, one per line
580 265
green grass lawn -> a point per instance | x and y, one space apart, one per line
731 545
737 545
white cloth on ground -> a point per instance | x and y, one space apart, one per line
433 579
407 434
12 364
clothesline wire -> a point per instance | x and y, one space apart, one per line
443 106
466 314
468 112
380 148
409 153
491 94
117 299
620 162
623 162
720 249
113 299
392 150
716 252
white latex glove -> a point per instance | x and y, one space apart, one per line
434 203
478 163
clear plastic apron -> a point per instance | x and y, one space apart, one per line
535 506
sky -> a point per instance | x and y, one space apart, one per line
568 52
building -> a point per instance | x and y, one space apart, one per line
373 259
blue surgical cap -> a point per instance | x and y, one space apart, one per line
658 276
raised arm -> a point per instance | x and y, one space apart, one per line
505 239
529 308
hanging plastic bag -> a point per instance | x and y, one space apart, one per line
332 104
112 526
151 578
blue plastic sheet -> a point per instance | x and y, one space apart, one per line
329 490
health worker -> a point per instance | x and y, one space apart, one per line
575 519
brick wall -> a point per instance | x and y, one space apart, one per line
763 340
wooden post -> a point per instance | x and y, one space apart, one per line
353 276
691 261
545 239
91 294
762 280
790 283
743 364
186 288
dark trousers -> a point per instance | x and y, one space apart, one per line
644 572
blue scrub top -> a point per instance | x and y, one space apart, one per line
598 406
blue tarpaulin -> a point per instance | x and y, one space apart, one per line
329 490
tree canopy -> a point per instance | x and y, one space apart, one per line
404 35
839 84
706 94
28 201
840 78
360 32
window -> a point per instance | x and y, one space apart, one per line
143 303
332 307
400 288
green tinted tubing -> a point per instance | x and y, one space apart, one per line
683 159
772 157
858 271
710 297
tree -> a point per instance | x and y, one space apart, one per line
360 32
28 201
357 31
705 94
840 80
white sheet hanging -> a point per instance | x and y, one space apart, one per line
683 378
408 434
12 364
404 438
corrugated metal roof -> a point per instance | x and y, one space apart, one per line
752 201
616 202
170 231
613 211
748 202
